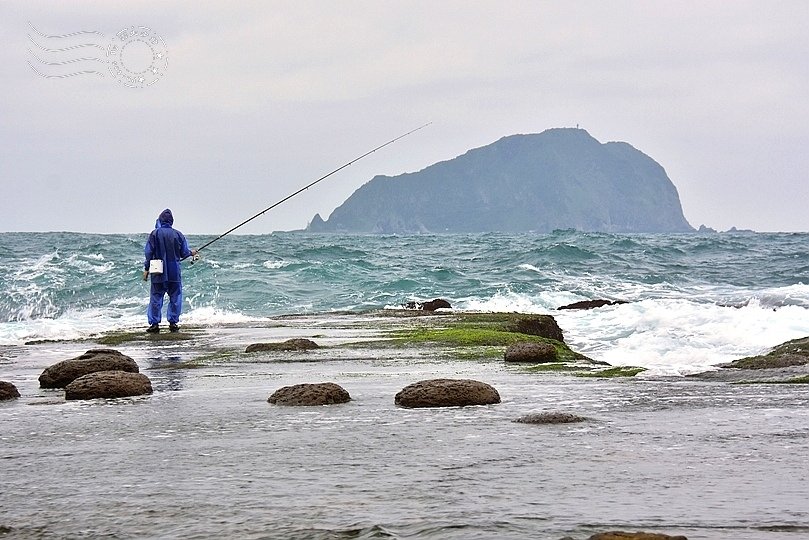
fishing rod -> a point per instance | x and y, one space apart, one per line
304 188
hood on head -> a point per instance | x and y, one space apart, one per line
165 218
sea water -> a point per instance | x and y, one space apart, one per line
693 300
205 455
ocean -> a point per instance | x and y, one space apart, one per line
694 300
205 455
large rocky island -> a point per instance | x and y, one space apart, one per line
559 179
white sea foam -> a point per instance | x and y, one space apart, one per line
529 267
130 301
274 265
88 267
504 301
676 337
212 316
74 324
793 295
44 260
669 336
129 313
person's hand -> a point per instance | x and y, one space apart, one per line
194 252
145 275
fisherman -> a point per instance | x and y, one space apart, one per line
168 246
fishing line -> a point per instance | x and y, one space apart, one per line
304 188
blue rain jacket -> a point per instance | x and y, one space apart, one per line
167 244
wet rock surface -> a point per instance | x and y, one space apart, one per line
8 391
551 417
447 393
537 325
592 304
108 384
217 419
310 394
431 305
63 373
786 363
621 535
791 353
771 375
526 351
295 344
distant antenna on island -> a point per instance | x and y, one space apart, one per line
577 126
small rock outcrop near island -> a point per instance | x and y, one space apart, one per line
309 394
295 344
63 373
108 384
550 417
447 393
431 305
8 391
529 351
592 304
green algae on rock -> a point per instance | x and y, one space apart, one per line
791 353
475 335
787 363
553 367
803 379
617 371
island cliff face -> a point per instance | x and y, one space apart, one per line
558 179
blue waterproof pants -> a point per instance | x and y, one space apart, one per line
159 290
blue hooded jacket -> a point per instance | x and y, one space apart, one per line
166 244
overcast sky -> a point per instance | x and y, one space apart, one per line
257 99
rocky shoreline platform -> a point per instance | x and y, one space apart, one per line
490 403
533 342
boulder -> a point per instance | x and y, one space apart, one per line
529 351
590 304
430 305
63 373
550 417
310 394
108 384
8 391
447 393
537 325
438 303
295 344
